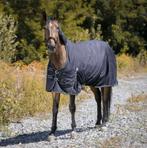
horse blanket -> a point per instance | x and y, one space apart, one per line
89 63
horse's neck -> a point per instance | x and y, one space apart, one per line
58 59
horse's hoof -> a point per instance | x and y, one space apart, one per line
74 130
51 137
104 128
73 127
98 125
73 134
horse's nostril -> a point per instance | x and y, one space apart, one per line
50 47
47 44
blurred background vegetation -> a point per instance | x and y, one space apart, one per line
122 23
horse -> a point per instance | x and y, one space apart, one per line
72 65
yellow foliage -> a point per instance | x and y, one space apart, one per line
22 91
128 65
137 99
125 61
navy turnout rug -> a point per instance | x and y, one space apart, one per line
90 63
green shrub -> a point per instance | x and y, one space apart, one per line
27 53
7 38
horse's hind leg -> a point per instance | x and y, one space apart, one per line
106 97
72 108
97 95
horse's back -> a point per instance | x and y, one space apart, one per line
95 61
88 52
91 46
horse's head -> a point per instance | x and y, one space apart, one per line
53 34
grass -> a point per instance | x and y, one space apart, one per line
128 65
112 142
134 105
134 108
137 99
22 92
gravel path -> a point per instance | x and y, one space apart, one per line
125 129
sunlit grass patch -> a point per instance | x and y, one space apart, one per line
22 92
128 65
124 61
133 104
133 108
136 99
112 142
22 96
136 103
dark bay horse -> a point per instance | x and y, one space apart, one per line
72 65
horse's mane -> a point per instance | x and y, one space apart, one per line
62 37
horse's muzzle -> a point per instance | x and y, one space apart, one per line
51 49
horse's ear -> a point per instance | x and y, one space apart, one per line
44 17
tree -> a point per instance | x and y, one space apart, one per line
124 24
71 15
8 41
29 31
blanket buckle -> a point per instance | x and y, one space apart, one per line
56 78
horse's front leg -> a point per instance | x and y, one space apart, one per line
72 108
56 100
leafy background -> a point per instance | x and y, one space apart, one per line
122 23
